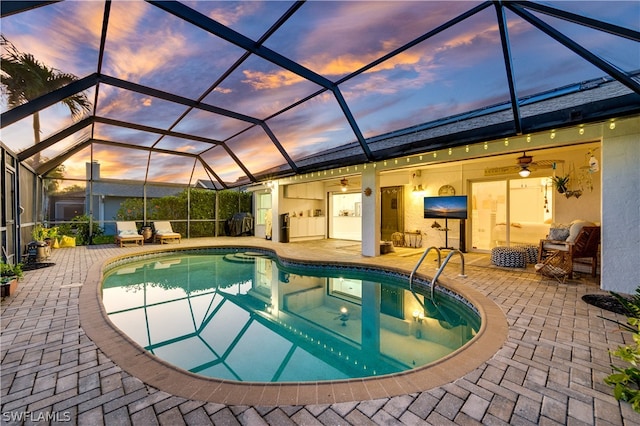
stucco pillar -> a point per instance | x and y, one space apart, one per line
275 211
620 243
370 212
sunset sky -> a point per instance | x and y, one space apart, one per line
458 70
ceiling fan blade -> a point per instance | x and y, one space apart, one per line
496 171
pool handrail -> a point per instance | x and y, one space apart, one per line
420 262
441 266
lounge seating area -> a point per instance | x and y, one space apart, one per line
127 234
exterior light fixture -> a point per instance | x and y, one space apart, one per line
524 162
344 182
524 172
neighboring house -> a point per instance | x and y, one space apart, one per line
207 184
65 206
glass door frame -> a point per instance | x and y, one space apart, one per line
502 212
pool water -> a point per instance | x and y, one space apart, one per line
244 316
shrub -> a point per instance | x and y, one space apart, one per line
103 239
198 204
79 228
626 381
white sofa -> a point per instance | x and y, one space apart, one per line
523 233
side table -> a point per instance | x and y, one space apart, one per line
413 238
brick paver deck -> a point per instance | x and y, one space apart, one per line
549 370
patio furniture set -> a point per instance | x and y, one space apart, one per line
558 254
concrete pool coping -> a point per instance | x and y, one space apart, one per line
139 363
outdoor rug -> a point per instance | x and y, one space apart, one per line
38 265
606 302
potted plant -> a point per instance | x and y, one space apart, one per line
38 248
560 183
39 233
51 237
9 276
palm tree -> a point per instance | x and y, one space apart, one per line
24 78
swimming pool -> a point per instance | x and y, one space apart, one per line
245 316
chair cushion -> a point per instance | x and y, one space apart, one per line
575 228
127 233
552 246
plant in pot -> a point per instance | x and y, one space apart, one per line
38 248
51 237
560 183
9 276
39 233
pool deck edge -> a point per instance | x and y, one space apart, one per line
136 361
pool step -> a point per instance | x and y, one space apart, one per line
246 257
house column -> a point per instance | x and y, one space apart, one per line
275 210
370 211
620 252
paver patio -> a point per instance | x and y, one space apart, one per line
549 370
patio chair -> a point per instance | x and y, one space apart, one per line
127 233
164 233
583 249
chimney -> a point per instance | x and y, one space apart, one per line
93 170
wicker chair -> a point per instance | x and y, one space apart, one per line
584 248
398 239
557 265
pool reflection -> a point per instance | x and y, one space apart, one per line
243 316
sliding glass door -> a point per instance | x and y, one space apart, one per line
509 212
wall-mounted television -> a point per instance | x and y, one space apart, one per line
451 207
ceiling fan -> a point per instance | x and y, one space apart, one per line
524 166
344 184
524 163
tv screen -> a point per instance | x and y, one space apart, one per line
453 207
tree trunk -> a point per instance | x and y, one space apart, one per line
36 138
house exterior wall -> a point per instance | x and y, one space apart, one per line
614 201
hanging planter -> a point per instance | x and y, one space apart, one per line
560 183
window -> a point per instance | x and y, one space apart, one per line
263 207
